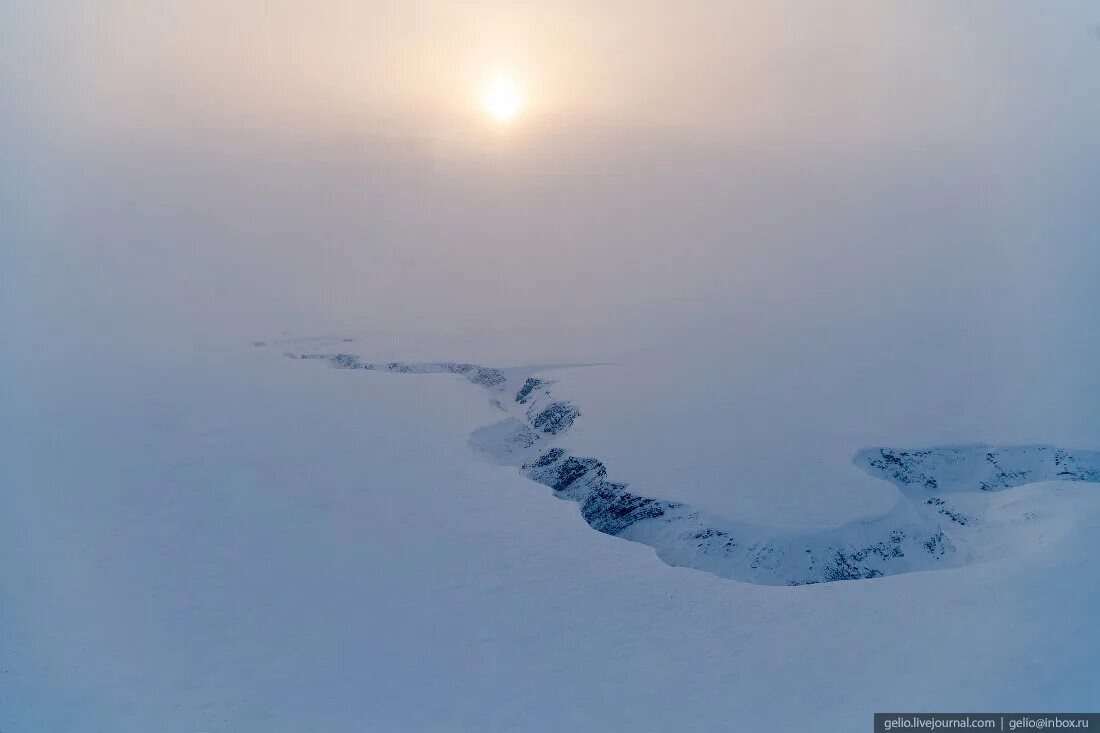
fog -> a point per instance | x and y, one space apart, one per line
902 186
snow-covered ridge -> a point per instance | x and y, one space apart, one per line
956 469
922 532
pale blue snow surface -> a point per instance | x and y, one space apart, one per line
923 531
209 538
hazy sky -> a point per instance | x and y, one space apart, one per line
679 173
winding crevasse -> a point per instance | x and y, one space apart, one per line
911 537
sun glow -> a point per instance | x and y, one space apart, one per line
502 99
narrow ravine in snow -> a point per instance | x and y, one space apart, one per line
924 530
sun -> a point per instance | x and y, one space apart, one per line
502 99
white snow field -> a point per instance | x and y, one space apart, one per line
218 538
910 537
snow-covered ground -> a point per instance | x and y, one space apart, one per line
908 538
217 538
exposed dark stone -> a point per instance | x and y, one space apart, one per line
528 387
903 467
610 508
569 471
946 511
456 367
844 567
488 378
552 455
556 418
936 544
345 361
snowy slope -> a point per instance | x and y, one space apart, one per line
217 539
910 537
